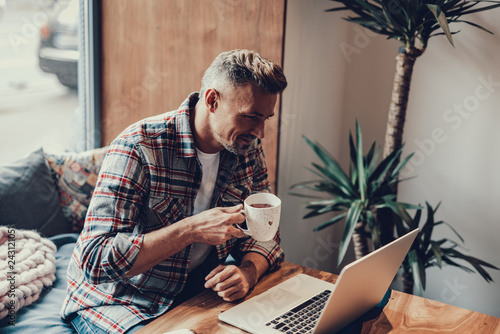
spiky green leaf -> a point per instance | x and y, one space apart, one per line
411 21
330 222
332 168
417 270
360 163
351 220
442 20
436 249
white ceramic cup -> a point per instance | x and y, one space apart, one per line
262 222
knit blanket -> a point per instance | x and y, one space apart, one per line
27 265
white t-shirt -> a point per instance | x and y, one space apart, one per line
210 167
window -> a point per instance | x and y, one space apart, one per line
46 64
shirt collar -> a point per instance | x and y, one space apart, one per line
185 139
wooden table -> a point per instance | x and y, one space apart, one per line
403 313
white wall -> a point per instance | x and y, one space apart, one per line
336 74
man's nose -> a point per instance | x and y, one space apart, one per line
259 130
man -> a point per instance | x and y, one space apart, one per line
162 219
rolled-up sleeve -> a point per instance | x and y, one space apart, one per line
271 250
111 239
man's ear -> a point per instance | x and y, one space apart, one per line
211 99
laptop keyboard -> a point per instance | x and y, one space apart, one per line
302 318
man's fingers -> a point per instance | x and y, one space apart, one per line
231 289
228 281
214 272
236 232
233 209
218 275
233 213
232 294
223 277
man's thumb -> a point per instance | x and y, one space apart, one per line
232 209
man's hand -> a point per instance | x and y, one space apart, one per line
213 227
232 282
216 226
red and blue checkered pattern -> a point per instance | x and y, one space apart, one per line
148 180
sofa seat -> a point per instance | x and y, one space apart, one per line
58 188
43 315
48 193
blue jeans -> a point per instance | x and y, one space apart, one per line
195 284
83 326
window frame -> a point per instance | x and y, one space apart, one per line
88 72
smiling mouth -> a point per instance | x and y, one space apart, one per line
247 139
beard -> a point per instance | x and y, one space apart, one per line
241 145
236 147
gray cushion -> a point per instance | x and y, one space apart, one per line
28 196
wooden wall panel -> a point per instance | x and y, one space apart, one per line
154 53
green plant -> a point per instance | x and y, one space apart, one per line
413 23
426 252
355 196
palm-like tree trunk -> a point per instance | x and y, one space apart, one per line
405 62
399 101
360 241
407 280
409 27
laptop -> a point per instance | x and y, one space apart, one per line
305 304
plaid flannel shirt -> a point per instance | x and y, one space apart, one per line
149 180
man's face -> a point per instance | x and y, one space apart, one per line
240 115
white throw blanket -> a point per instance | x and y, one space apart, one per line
27 265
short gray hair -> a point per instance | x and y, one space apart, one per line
239 67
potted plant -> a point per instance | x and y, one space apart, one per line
412 23
426 252
356 195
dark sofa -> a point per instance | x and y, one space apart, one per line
48 193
